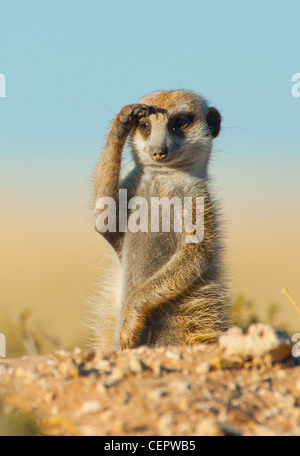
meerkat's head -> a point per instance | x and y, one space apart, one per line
177 133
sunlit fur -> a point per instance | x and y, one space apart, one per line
171 292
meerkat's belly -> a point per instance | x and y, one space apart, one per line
143 255
145 251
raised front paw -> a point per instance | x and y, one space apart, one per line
130 115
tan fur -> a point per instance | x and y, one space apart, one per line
105 314
173 292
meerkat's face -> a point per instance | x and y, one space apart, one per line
177 132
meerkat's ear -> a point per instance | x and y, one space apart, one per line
213 120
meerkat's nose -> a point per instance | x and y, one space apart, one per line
158 153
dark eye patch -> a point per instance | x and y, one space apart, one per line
179 123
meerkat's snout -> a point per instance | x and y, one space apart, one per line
158 153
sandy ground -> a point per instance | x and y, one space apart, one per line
166 391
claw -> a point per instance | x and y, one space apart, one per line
137 110
155 109
145 108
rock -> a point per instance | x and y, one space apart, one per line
135 365
172 354
261 339
92 406
203 368
26 374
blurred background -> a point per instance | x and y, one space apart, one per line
69 68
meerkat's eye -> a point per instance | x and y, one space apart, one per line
180 123
145 128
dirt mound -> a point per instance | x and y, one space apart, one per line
245 385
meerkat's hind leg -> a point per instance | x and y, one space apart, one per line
205 315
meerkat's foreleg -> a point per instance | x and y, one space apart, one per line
107 177
171 281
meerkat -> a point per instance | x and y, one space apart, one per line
171 291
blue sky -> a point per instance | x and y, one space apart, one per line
71 65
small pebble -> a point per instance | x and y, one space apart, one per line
92 406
